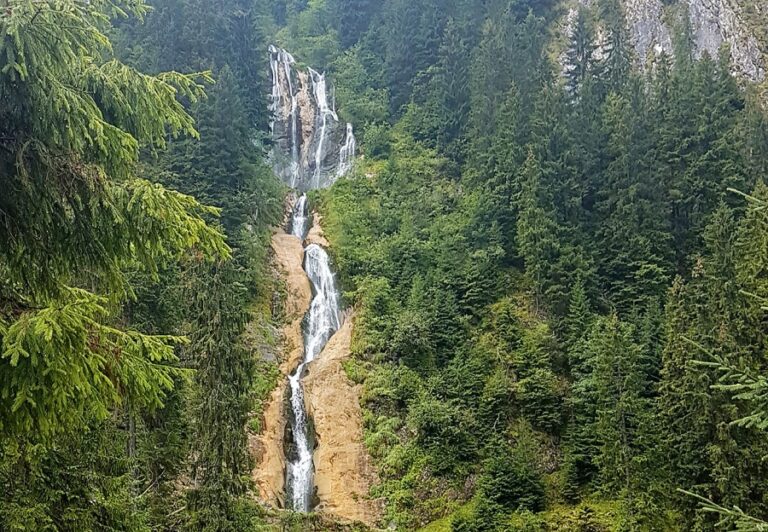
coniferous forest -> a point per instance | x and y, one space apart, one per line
554 247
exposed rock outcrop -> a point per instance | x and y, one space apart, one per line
650 35
343 469
717 21
312 147
713 22
316 234
268 448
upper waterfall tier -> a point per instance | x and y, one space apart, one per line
312 148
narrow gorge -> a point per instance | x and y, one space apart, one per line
310 454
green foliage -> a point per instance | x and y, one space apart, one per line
510 481
75 213
95 389
507 242
510 258
361 103
59 368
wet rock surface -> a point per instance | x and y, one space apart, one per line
268 448
312 147
343 469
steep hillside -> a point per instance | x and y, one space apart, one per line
541 245
537 302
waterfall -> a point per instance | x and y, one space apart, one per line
300 469
290 107
324 313
281 64
305 126
347 152
324 112
277 91
322 321
299 217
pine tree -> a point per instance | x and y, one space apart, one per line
617 61
354 17
684 397
223 167
412 33
580 56
579 313
536 229
621 427
579 441
451 85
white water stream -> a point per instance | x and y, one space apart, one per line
322 321
305 126
303 122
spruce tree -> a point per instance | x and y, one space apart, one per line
536 229
621 409
224 377
75 214
580 56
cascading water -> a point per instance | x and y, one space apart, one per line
324 112
347 152
281 64
322 321
299 217
324 313
305 126
277 90
318 156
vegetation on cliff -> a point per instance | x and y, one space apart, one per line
556 289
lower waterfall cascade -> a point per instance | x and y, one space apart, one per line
323 319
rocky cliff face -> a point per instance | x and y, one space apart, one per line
716 22
312 147
344 471
652 24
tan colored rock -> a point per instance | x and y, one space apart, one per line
307 114
316 234
343 469
267 447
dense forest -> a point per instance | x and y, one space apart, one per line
556 252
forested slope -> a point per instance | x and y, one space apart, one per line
543 239
133 318
554 244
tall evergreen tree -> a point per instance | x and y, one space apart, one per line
580 56
536 229
74 214
224 378
621 408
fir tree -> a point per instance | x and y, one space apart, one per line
224 378
580 58
622 420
